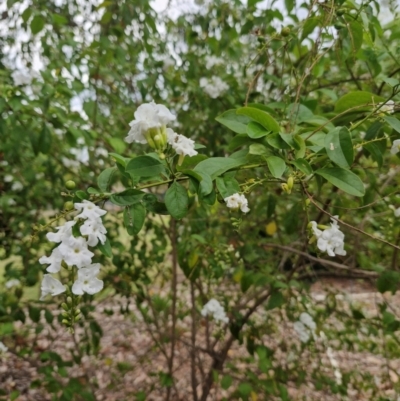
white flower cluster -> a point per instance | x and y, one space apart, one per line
149 127
388 107
214 308
148 116
181 144
331 240
74 251
335 365
14 282
305 327
237 201
214 87
395 147
212 61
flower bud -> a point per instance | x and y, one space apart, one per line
77 312
290 182
65 321
65 314
68 205
69 300
65 306
70 185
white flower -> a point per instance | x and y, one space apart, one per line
8 178
308 321
302 332
16 186
3 348
395 147
214 87
54 260
81 155
214 308
64 233
147 116
335 365
387 107
237 201
87 280
21 78
51 286
75 252
397 212
211 61
88 210
305 327
12 283
95 231
182 145
331 240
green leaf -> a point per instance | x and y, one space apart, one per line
259 149
345 180
388 281
309 25
359 100
393 122
227 186
105 248
216 166
204 180
355 30
276 165
177 200
59 19
255 130
152 204
41 142
245 389
339 147
34 313
226 382
261 117
134 217
127 197
233 121
303 166
276 300
81 195
37 24
104 179
276 141
120 159
144 166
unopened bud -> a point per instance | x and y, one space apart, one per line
65 306
70 184
65 314
68 205
65 321
290 182
69 300
78 317
77 312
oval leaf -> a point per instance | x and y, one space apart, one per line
134 217
216 166
359 100
127 197
255 130
234 122
104 179
343 179
261 117
276 165
339 147
144 166
177 200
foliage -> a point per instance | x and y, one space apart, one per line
301 120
